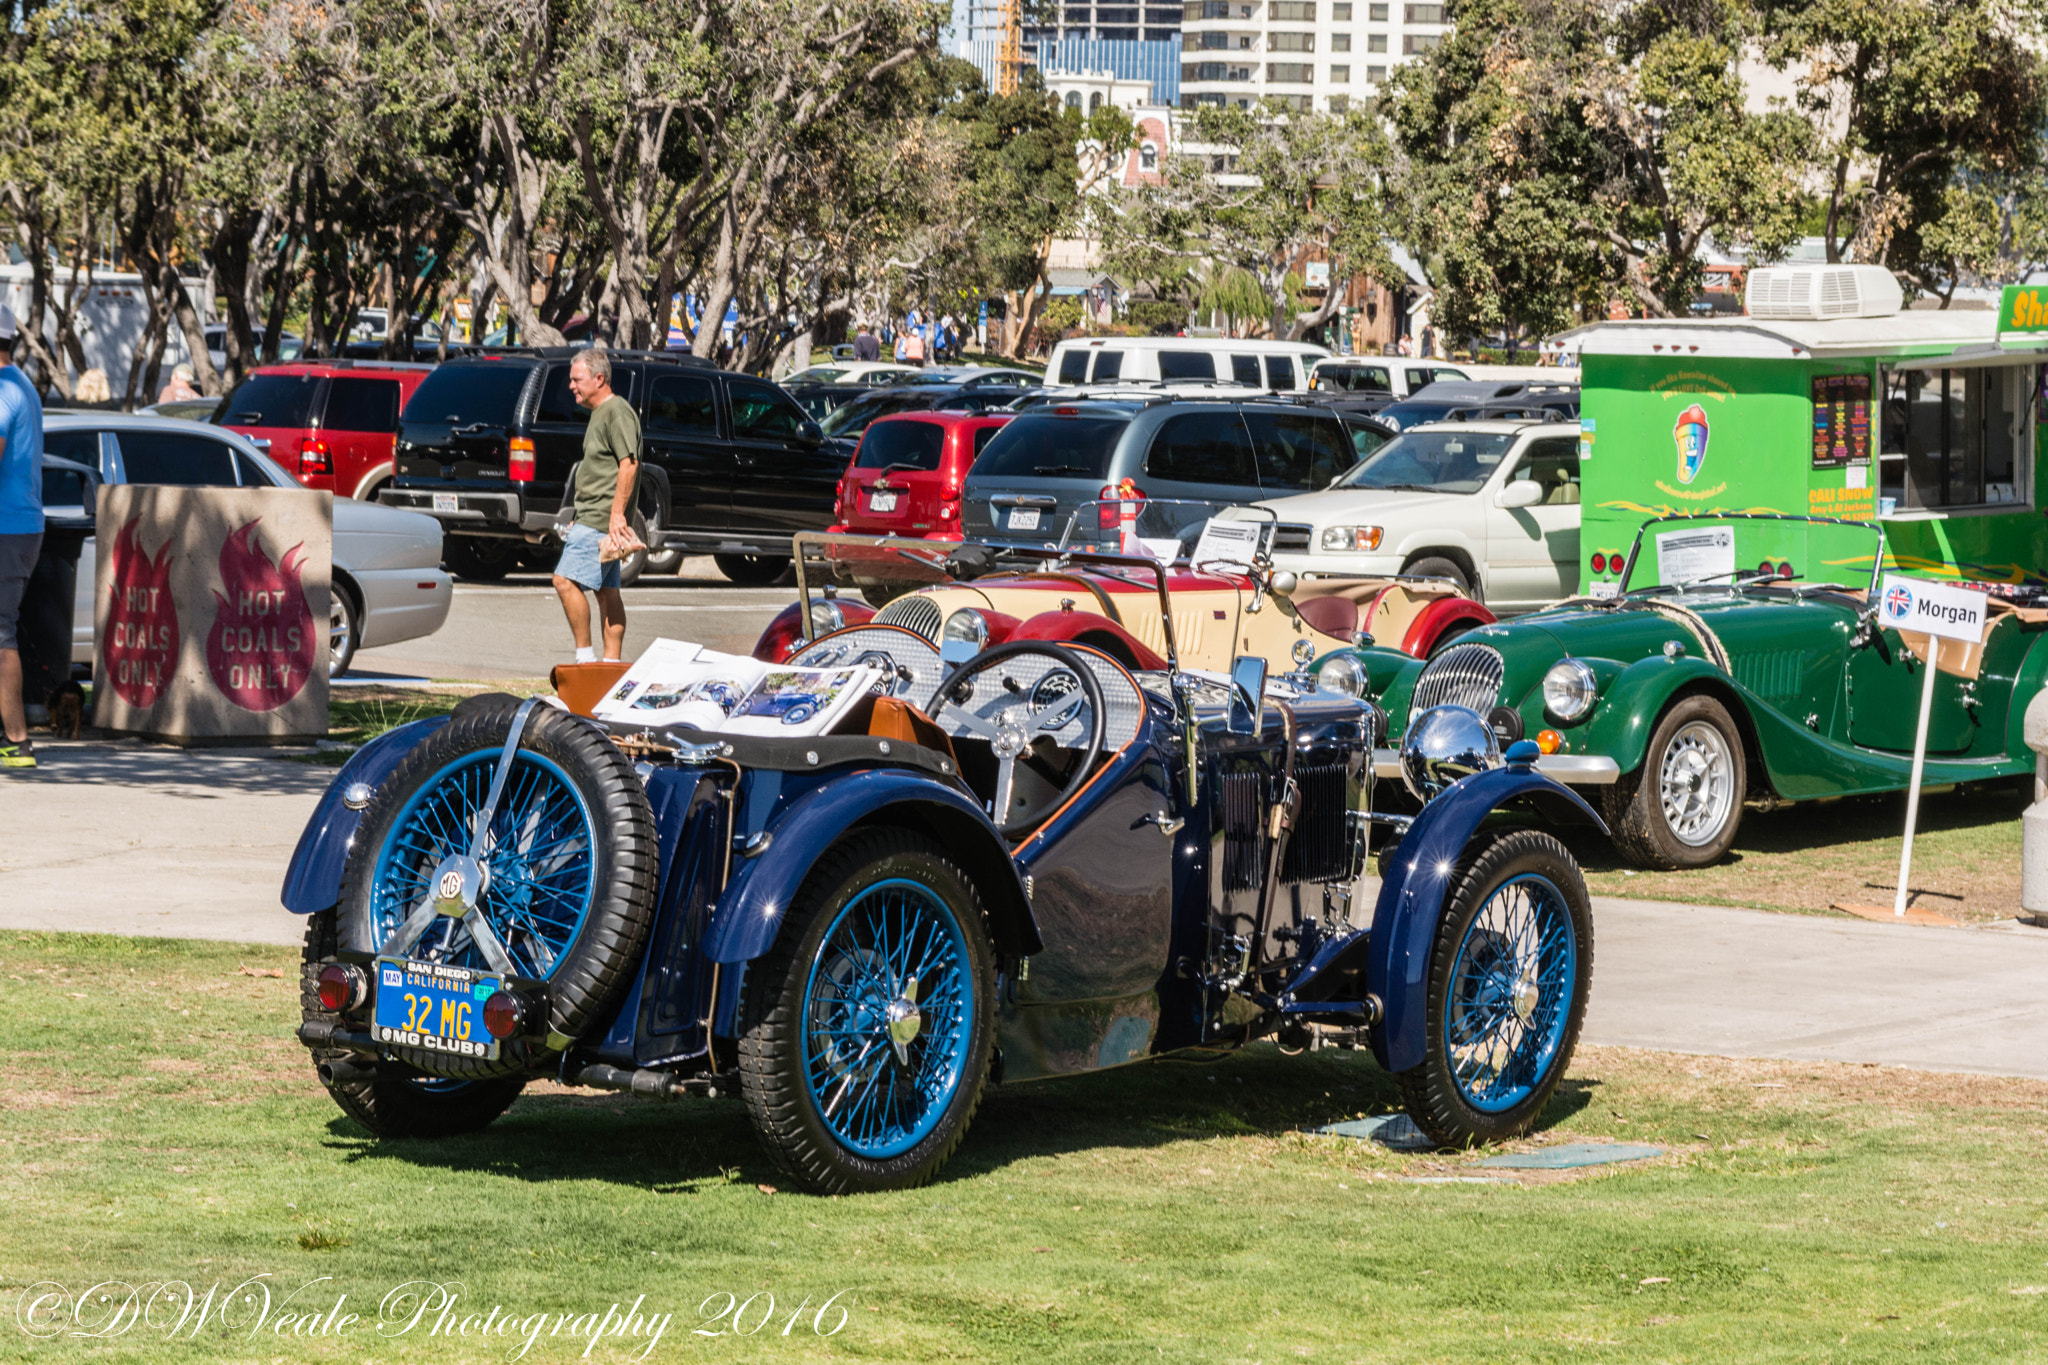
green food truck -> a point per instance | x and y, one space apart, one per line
1827 399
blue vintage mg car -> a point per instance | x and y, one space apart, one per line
1006 865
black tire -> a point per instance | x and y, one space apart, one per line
395 1108
1450 636
481 559
780 1097
1436 566
1438 1097
1695 770
344 626
752 571
597 956
660 561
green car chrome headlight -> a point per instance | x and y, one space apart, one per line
826 617
1341 673
966 626
1569 689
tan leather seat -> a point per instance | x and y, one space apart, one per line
1332 616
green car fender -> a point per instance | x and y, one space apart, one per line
1625 714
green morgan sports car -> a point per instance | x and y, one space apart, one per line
1710 687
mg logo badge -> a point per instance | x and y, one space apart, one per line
451 885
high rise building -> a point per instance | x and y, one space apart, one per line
1133 41
1312 54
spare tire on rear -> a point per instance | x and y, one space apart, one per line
570 866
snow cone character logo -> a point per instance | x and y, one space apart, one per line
140 645
262 647
1691 434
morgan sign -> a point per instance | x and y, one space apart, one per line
1914 604
211 613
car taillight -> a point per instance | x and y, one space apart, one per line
1599 562
1109 514
341 986
313 457
504 1015
522 459
1785 569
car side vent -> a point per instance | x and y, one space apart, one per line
1320 849
913 613
1811 292
1463 675
1244 843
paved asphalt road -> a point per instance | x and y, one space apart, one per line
515 629
129 838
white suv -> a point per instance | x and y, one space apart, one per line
1493 506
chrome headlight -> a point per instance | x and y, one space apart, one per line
1444 744
826 617
1341 673
966 626
1569 689
1351 538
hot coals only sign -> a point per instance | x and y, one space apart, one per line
211 610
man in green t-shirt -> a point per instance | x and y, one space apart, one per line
603 499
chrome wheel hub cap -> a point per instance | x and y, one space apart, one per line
1525 994
1696 784
457 885
905 1021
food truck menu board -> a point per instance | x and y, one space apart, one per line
1841 420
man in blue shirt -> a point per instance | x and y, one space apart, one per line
21 531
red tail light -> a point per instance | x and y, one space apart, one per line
313 457
1599 562
341 986
1109 514
1785 569
522 459
504 1016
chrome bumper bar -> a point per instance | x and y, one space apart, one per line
1575 770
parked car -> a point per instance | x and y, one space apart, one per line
1508 400
908 471
333 424
820 401
973 377
826 927
980 393
730 465
288 344
1396 376
1491 506
1278 365
1367 433
388 584
184 409
1049 461
1226 607
1693 692
864 374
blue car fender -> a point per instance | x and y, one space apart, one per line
751 911
312 882
1418 881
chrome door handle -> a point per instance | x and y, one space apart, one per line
1169 825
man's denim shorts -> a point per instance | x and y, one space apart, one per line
580 563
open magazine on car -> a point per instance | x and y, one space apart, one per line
677 683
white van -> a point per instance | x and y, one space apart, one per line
1283 366
1395 374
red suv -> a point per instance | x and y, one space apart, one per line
331 423
907 473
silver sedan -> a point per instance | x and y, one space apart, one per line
388 581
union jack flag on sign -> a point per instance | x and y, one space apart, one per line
1898 602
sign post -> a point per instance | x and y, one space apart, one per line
1941 613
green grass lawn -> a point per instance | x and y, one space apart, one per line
1966 857
161 1124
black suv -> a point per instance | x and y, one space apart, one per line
730 465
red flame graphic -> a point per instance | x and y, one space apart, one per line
263 646
140 645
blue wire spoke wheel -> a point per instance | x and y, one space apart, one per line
539 862
564 877
868 1029
1508 982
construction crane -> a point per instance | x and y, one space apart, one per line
1010 53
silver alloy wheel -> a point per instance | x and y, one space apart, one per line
1696 784
341 632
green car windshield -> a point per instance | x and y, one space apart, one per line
1724 552
1432 461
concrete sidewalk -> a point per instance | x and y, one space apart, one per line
130 838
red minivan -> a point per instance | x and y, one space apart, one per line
907 473
331 423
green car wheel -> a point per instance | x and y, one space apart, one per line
1681 808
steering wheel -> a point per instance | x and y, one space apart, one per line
1018 722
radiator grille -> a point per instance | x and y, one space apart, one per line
913 613
1320 849
1463 675
1291 537
1244 830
